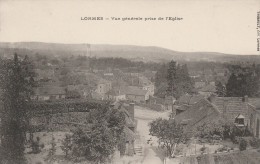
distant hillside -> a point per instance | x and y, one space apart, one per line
138 53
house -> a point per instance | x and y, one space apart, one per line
136 94
199 113
149 87
129 111
255 116
240 111
255 102
141 82
82 89
207 90
255 125
166 102
236 110
232 108
98 85
185 101
130 126
116 95
103 86
49 93
188 99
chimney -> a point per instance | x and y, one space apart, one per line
131 110
245 98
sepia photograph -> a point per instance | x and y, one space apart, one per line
130 82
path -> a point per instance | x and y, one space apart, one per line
144 116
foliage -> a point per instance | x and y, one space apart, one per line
244 80
220 89
222 129
242 144
255 142
98 141
66 145
121 63
62 106
178 80
161 76
16 84
210 131
235 133
169 133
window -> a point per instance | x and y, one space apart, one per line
240 120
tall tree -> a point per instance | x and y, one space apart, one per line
184 81
220 89
244 80
161 76
179 81
172 79
16 85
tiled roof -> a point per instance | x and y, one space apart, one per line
137 80
123 107
199 113
255 102
129 134
133 90
115 92
184 107
189 99
231 107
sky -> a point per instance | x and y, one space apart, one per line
227 26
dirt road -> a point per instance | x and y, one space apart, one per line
144 116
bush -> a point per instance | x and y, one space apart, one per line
235 139
242 144
255 142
